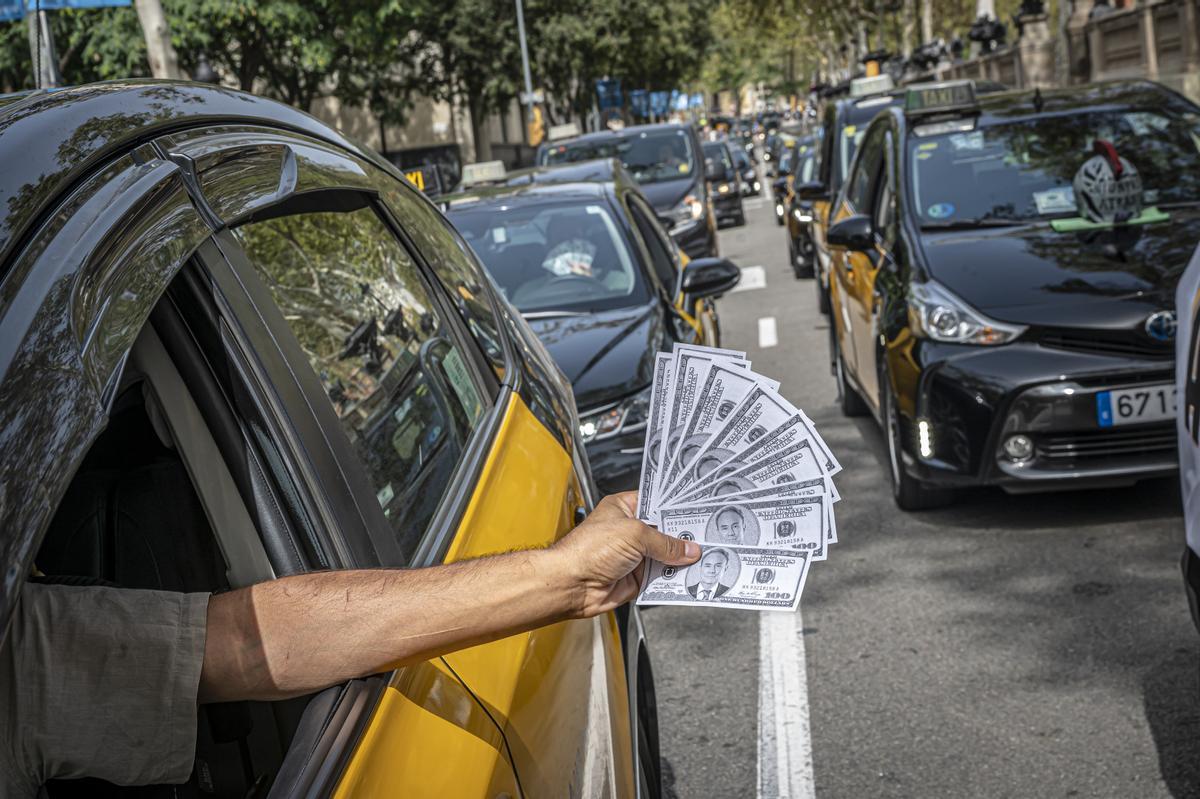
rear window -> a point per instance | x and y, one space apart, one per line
649 156
405 393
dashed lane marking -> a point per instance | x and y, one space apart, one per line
768 336
753 277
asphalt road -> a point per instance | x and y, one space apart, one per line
1035 646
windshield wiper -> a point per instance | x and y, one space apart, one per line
551 314
968 224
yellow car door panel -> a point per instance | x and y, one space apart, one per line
425 721
545 688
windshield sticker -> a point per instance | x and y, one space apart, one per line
940 210
1107 187
924 156
967 141
849 130
684 169
499 235
460 381
927 145
1055 201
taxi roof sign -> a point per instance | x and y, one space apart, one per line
483 172
951 96
876 84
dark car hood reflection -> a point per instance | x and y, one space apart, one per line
669 193
607 354
1034 275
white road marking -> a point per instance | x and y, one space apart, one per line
785 761
767 335
753 202
753 277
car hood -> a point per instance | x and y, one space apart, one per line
1034 275
669 193
607 354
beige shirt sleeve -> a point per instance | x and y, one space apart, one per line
100 682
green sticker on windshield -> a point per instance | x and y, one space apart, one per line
460 379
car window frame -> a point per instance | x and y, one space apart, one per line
859 164
639 209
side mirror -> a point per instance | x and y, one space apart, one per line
811 190
710 277
855 233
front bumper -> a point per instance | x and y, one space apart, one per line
695 239
728 207
974 398
616 461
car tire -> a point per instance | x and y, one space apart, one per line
740 219
802 268
849 401
649 767
779 219
908 492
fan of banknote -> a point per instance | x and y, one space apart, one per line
735 467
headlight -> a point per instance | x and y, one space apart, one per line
627 416
723 188
935 313
689 210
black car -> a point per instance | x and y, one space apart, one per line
583 257
236 346
781 176
798 213
842 127
1003 284
724 183
744 163
666 162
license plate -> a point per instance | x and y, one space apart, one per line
1135 405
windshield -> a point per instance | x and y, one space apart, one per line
719 155
852 136
554 257
650 156
1025 170
742 159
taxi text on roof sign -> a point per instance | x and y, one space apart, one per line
936 98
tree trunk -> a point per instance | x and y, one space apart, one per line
479 129
926 21
908 24
163 61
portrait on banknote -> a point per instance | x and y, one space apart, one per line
714 574
732 525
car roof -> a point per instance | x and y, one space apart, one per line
50 140
1007 106
527 192
609 135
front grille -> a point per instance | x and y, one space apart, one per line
1095 445
1128 343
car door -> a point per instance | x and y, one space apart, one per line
852 270
882 208
318 243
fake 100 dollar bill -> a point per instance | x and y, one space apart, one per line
796 524
748 578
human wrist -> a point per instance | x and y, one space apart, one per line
566 592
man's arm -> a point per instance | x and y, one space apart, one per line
300 634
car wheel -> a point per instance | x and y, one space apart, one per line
908 492
779 219
801 265
740 220
822 294
649 766
848 399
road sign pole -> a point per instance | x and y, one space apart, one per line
528 97
41 48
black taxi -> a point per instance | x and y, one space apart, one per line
579 252
236 346
1002 284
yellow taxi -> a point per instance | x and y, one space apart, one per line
236 346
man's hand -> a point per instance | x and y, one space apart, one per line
601 560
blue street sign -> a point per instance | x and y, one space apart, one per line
16 9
